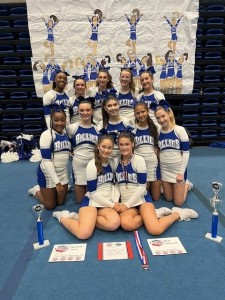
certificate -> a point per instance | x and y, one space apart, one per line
115 250
68 252
166 246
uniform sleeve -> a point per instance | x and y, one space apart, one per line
92 180
91 92
47 102
159 96
184 146
46 154
140 167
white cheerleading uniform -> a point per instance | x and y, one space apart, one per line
127 103
83 140
55 151
114 128
74 113
145 147
101 190
174 153
133 188
52 97
156 96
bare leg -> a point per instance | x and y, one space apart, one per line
84 227
130 219
154 225
107 219
179 193
155 189
168 190
80 191
50 198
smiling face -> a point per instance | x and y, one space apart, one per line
146 81
58 121
103 79
112 107
60 82
163 118
85 111
125 78
141 113
79 86
126 146
105 147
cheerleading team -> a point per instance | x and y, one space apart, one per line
148 94
79 86
98 207
173 146
52 174
104 84
57 96
146 145
136 207
112 123
84 136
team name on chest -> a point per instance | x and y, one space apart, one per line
108 177
86 137
126 102
144 139
62 145
131 177
62 101
168 143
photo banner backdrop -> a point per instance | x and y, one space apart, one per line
80 37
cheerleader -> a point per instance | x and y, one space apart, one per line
79 86
126 95
57 96
173 154
98 208
112 123
148 93
52 175
146 139
104 83
83 135
136 205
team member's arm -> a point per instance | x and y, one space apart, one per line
47 101
46 154
94 195
141 179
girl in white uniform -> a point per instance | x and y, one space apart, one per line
52 172
98 206
173 153
84 136
57 96
136 206
126 95
104 83
112 123
149 94
146 141
79 86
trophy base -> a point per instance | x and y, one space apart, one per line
218 239
38 246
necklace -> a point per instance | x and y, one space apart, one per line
124 168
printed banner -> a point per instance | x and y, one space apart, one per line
80 37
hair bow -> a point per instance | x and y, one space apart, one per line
162 103
61 71
78 77
127 68
58 107
109 92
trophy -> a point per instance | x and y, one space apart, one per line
215 202
38 209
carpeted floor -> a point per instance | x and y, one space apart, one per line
26 274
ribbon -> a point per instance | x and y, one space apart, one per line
141 252
162 103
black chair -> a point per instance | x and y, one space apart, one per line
4 24
4 10
6 49
7 73
20 23
6 36
12 106
216 8
215 20
18 95
10 60
214 43
18 11
212 68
